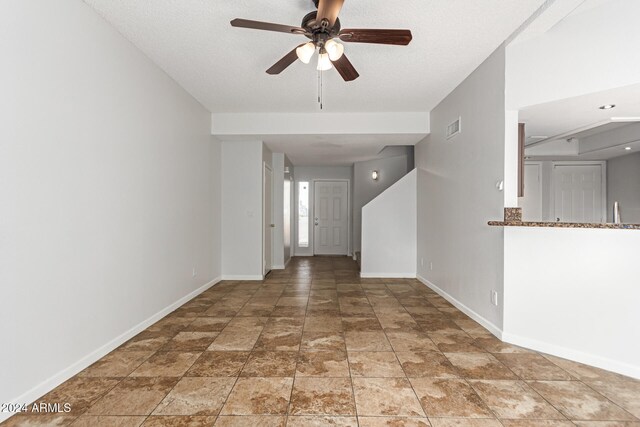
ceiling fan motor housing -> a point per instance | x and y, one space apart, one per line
316 31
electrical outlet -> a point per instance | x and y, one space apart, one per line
195 271
494 297
430 266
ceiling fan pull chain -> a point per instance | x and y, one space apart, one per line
320 87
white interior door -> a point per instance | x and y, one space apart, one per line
331 218
578 193
268 223
531 203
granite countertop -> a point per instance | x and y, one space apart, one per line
564 225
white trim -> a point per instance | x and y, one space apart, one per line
578 356
466 310
312 231
242 277
49 384
281 266
266 167
388 275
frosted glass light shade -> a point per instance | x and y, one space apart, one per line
324 63
305 52
334 49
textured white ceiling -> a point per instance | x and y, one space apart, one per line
224 67
571 114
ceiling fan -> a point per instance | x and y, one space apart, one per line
323 28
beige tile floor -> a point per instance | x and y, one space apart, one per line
316 346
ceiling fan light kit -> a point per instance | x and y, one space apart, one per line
305 52
334 49
324 63
323 28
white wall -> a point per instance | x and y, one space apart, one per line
365 189
309 174
574 293
110 193
584 53
242 209
457 194
623 186
389 231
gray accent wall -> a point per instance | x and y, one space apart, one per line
365 189
457 193
623 186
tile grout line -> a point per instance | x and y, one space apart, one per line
295 371
179 378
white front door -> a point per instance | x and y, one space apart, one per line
531 203
331 218
578 193
267 224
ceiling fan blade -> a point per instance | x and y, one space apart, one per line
346 68
329 10
281 65
268 26
379 36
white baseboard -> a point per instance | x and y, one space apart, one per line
388 275
49 384
541 346
575 355
281 266
463 308
241 277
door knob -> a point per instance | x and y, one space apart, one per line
273 225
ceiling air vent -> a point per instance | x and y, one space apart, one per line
454 128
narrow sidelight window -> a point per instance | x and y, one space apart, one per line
303 214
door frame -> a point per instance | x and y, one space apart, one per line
540 177
312 235
603 181
265 166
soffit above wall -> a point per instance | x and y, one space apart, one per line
332 139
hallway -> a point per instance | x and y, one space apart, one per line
315 345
